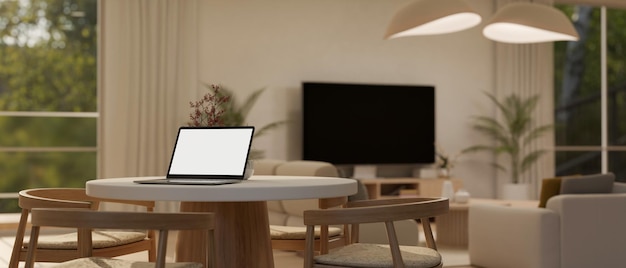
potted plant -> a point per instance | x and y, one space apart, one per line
218 107
444 162
512 134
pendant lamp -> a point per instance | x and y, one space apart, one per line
429 17
525 22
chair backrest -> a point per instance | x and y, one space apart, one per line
68 198
86 220
379 210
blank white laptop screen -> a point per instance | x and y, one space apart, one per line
208 155
210 152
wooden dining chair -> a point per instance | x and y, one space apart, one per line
292 238
358 254
59 247
86 220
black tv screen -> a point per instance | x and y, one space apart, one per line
361 124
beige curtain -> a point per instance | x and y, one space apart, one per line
527 70
148 75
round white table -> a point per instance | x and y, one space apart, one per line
242 225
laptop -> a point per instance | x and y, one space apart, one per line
208 156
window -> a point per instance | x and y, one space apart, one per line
590 133
48 95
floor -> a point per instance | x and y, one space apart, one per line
452 257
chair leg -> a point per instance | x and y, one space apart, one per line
32 249
152 251
162 248
211 247
19 240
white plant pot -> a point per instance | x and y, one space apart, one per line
447 190
512 191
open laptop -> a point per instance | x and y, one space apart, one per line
208 156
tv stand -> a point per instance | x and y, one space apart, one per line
408 186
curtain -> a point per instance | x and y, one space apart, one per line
526 70
148 75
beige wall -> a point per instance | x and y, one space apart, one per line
246 45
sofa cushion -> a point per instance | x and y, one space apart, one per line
549 188
596 219
101 239
619 187
588 184
99 262
372 255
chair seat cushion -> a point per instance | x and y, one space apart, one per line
374 255
101 239
297 232
99 262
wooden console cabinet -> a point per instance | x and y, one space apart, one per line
407 186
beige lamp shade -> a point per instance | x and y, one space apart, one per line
429 17
524 22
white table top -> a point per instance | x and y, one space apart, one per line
257 188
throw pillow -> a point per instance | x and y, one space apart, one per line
549 188
588 184
361 193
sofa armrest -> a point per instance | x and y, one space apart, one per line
513 237
592 229
307 168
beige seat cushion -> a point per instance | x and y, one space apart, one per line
101 239
373 255
98 262
297 233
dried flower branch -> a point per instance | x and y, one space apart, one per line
208 111
218 107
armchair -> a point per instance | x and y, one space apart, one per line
286 216
59 248
86 220
573 230
286 227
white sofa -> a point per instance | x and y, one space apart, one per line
289 212
572 231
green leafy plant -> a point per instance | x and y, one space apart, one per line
444 161
512 134
219 107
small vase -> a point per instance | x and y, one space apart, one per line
447 190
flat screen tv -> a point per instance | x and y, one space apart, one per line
368 124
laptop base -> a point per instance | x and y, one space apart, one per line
189 181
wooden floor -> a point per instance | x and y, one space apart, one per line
452 257
282 259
